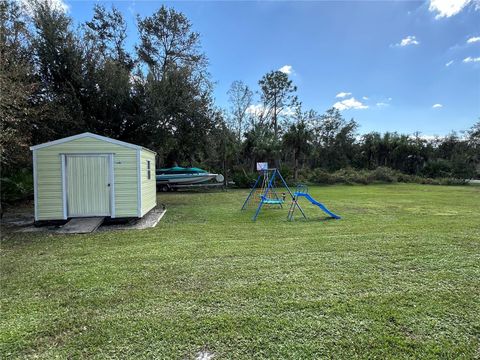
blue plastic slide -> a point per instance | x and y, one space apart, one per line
315 202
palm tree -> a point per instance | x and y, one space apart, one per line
298 139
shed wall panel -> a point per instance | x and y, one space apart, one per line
149 189
49 180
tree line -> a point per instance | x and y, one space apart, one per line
58 80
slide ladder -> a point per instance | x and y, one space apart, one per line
314 202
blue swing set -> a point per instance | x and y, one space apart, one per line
264 191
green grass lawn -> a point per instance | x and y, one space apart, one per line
397 277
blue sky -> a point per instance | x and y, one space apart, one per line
401 65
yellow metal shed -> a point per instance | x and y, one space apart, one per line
92 175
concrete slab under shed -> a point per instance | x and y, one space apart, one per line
87 225
81 225
151 219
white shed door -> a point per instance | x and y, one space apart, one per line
88 185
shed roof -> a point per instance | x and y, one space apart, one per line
91 135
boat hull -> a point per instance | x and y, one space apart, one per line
184 179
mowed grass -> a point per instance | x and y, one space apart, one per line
397 277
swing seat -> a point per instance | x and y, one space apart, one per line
272 201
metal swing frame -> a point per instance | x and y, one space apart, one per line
270 174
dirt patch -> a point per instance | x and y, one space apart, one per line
16 217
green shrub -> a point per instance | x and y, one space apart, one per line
405 178
378 175
320 176
385 174
243 178
437 168
452 181
287 173
17 186
351 176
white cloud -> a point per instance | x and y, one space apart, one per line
447 8
449 63
57 5
473 39
437 106
409 40
343 94
351 103
365 97
286 69
382 104
430 137
471 59
288 111
255 109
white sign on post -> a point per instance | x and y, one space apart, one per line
262 166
